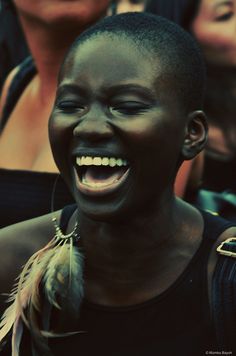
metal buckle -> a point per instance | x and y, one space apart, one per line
224 252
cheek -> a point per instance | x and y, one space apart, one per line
151 133
25 5
216 36
54 130
140 136
60 135
94 9
219 47
154 144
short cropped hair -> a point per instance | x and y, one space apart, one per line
177 51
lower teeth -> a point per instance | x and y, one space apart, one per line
96 177
97 184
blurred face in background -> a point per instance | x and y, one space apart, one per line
130 5
215 29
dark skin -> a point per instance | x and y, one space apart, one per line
127 113
137 237
107 106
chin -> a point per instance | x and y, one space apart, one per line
68 15
105 213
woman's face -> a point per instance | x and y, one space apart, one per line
215 29
114 130
56 11
129 6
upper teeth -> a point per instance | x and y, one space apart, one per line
100 161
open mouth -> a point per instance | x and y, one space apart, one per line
100 174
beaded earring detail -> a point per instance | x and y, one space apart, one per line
59 234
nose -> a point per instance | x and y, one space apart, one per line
94 126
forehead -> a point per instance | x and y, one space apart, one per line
104 63
111 59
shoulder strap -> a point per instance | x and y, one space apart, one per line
224 295
25 73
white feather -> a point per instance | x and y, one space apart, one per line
63 279
24 292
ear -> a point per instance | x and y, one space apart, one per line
195 134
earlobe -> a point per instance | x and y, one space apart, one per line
196 134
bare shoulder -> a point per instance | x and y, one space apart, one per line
34 232
18 242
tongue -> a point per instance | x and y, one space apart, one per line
103 175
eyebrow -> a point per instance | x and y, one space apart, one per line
72 88
220 3
115 89
139 89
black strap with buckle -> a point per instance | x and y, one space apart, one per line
224 295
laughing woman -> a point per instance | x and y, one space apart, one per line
126 271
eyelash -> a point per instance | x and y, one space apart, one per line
224 17
70 106
130 110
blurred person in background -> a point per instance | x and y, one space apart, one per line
213 24
27 169
220 105
13 47
218 191
215 29
130 5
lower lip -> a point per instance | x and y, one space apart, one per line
99 191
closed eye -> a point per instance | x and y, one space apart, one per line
224 17
130 108
69 106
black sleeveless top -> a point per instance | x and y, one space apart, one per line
26 194
176 322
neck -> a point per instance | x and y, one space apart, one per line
48 47
125 260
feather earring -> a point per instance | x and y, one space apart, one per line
25 293
58 269
63 280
